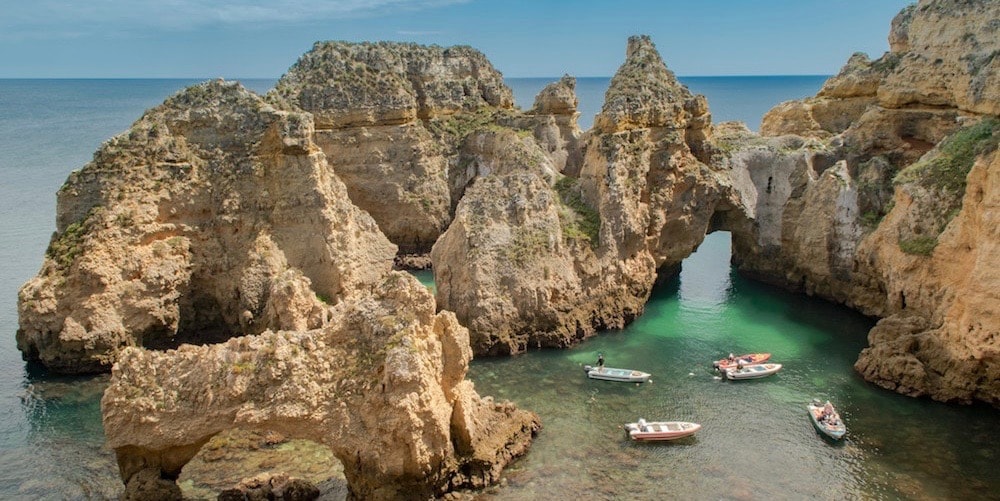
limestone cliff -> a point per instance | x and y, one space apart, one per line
534 259
942 287
382 385
371 102
556 130
214 215
873 200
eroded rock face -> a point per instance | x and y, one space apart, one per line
938 337
557 132
214 215
383 385
947 54
534 259
841 101
878 212
371 102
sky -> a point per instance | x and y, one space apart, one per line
523 38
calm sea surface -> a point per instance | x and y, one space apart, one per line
757 441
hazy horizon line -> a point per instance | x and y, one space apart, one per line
553 77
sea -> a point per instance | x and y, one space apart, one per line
757 441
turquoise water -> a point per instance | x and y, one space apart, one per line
51 440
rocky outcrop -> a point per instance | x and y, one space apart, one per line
947 52
371 102
841 101
214 215
938 337
383 385
884 211
535 259
556 129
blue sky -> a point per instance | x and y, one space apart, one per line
523 38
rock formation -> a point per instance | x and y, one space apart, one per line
371 102
874 201
221 214
556 129
535 259
383 385
214 215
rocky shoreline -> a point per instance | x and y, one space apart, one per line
230 256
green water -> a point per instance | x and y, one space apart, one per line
757 441
426 277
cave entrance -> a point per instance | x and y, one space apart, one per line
706 275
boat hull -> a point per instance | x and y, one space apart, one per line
748 359
619 375
755 371
834 431
655 431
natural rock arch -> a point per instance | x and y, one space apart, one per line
383 386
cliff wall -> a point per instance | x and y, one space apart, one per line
539 258
372 103
890 212
215 214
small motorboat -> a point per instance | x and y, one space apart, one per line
752 371
612 374
748 359
826 419
660 430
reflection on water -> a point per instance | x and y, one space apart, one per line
757 440
61 452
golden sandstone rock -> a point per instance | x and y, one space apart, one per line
221 216
891 211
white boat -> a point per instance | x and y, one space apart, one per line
752 371
748 359
660 430
612 374
828 423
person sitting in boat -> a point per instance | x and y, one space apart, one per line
731 357
739 365
600 361
827 413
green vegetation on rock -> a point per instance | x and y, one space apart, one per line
456 127
918 246
579 221
943 173
65 248
948 169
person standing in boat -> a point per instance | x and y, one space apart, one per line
600 362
